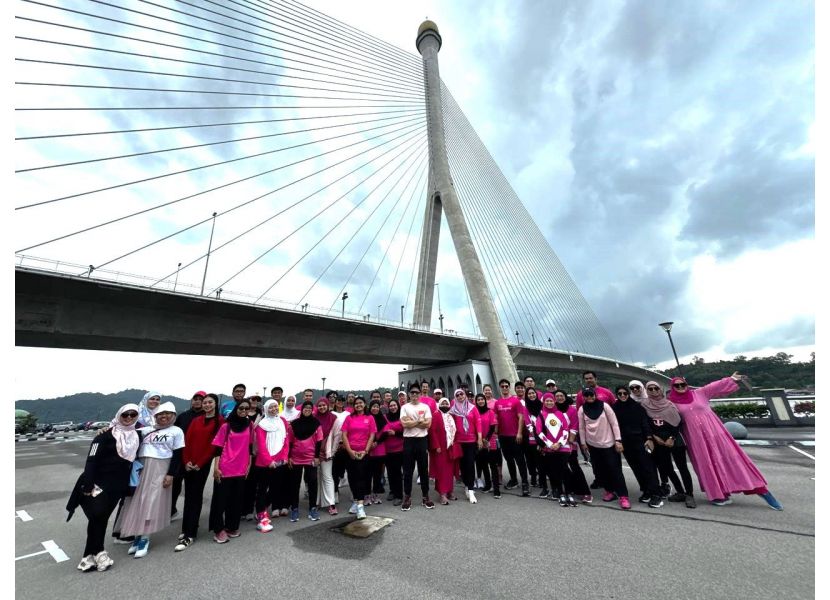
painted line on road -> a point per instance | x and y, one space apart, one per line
802 452
51 548
23 516
24 453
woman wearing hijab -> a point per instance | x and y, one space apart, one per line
359 431
468 438
488 459
270 472
255 413
443 453
331 440
637 390
393 432
578 483
600 435
197 456
722 467
553 437
668 443
303 460
147 408
289 411
104 482
160 453
233 445
377 455
638 443
341 457
533 408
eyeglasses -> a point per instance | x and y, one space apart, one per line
505 387
622 393
634 387
130 414
653 389
242 408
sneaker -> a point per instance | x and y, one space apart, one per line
595 485
644 498
87 563
332 510
587 499
443 500
609 497
722 502
427 503
133 547
295 515
407 503
234 534
624 503
183 544
367 501
677 497
264 525
221 537
275 514
361 514
665 490
497 495
485 489
353 509
118 540
511 484
773 503
655 502
471 496
313 514
544 493
181 537
572 501
175 516
690 501
397 502
563 501
283 512
525 490
143 547
377 499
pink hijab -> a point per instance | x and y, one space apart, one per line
327 420
680 398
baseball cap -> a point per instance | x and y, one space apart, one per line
550 381
200 393
588 391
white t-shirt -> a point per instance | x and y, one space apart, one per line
161 442
415 411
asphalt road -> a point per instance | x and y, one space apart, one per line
513 547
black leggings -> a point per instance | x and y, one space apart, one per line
271 487
415 451
578 485
376 474
489 461
338 466
608 469
642 464
468 463
248 496
309 474
97 511
513 456
663 456
531 456
394 473
554 468
194 491
226 504
358 477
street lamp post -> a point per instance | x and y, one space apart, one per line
379 307
550 344
667 328
517 337
176 282
324 384
402 307
533 337
343 311
440 312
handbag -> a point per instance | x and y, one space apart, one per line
135 473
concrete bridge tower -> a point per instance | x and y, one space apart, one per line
442 197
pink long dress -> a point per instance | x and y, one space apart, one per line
722 467
444 464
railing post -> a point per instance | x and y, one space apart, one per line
779 407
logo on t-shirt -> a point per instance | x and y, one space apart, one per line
552 422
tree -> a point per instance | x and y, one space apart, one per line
782 358
697 360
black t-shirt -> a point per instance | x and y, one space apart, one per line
664 430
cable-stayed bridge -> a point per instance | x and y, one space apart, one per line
256 178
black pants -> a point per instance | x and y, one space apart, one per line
271 486
513 456
97 511
531 456
194 492
338 467
578 485
489 462
248 496
663 456
178 479
608 468
641 463
468 463
358 471
376 474
394 473
415 450
309 474
226 504
554 468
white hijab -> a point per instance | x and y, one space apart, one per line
289 414
126 438
642 396
146 416
449 422
274 428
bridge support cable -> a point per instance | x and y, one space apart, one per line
412 152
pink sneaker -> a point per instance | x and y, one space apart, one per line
221 537
587 499
608 496
624 503
332 510
264 524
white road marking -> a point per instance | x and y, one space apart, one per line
808 443
802 452
24 516
31 555
51 548
25 454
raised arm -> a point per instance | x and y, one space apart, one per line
721 387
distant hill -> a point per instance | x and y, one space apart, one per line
88 406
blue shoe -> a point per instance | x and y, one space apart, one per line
295 515
143 547
773 503
313 514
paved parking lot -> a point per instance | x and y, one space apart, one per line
497 548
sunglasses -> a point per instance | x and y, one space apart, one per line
679 385
635 387
653 389
130 414
621 393
505 387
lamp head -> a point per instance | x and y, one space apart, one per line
667 326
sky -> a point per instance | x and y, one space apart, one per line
666 152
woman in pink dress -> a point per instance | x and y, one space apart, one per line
722 467
443 453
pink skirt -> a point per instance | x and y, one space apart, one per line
148 510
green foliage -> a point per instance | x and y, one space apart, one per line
741 410
88 406
808 407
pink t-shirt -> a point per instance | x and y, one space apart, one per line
263 458
236 450
429 401
380 448
359 428
487 420
473 427
602 393
507 415
302 451
394 443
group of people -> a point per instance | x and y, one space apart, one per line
260 454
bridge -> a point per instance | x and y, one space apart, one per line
273 150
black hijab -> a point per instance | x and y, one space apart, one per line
534 407
593 409
235 422
380 420
481 409
394 416
305 426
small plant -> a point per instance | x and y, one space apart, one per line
741 410
808 407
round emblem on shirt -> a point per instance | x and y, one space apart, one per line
553 422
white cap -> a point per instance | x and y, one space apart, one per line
436 390
550 381
166 407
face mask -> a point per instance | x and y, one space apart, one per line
444 409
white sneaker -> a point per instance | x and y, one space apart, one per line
353 509
103 561
87 563
176 516
361 514
479 483
275 513
143 547
472 497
